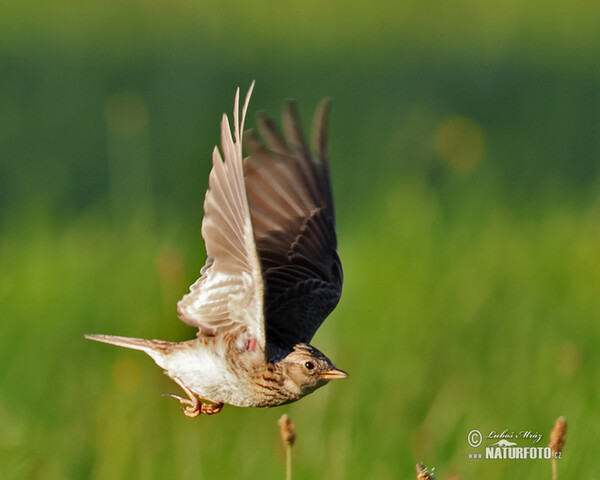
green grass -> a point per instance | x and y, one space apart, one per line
454 316
312 28
470 296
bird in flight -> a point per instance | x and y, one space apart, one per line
272 273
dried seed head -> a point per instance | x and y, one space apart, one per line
423 474
557 435
286 429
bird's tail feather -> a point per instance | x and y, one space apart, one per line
153 348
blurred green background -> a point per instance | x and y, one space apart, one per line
465 145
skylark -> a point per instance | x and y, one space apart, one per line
271 277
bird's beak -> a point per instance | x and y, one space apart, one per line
333 374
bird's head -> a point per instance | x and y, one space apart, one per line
308 369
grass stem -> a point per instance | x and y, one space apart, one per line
288 437
288 462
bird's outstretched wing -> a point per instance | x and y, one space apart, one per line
228 297
291 207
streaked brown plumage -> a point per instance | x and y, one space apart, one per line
271 277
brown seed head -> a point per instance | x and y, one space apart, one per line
286 429
557 435
423 474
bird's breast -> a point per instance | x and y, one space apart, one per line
220 375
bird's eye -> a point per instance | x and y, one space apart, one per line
309 365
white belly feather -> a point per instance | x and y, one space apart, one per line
206 373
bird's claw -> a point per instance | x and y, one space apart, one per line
194 406
172 395
210 408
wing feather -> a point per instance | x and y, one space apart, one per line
291 207
228 297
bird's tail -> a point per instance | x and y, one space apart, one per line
154 348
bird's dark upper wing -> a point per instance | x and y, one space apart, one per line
291 208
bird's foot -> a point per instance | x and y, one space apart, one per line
194 406
211 408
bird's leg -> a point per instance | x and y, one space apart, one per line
194 406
